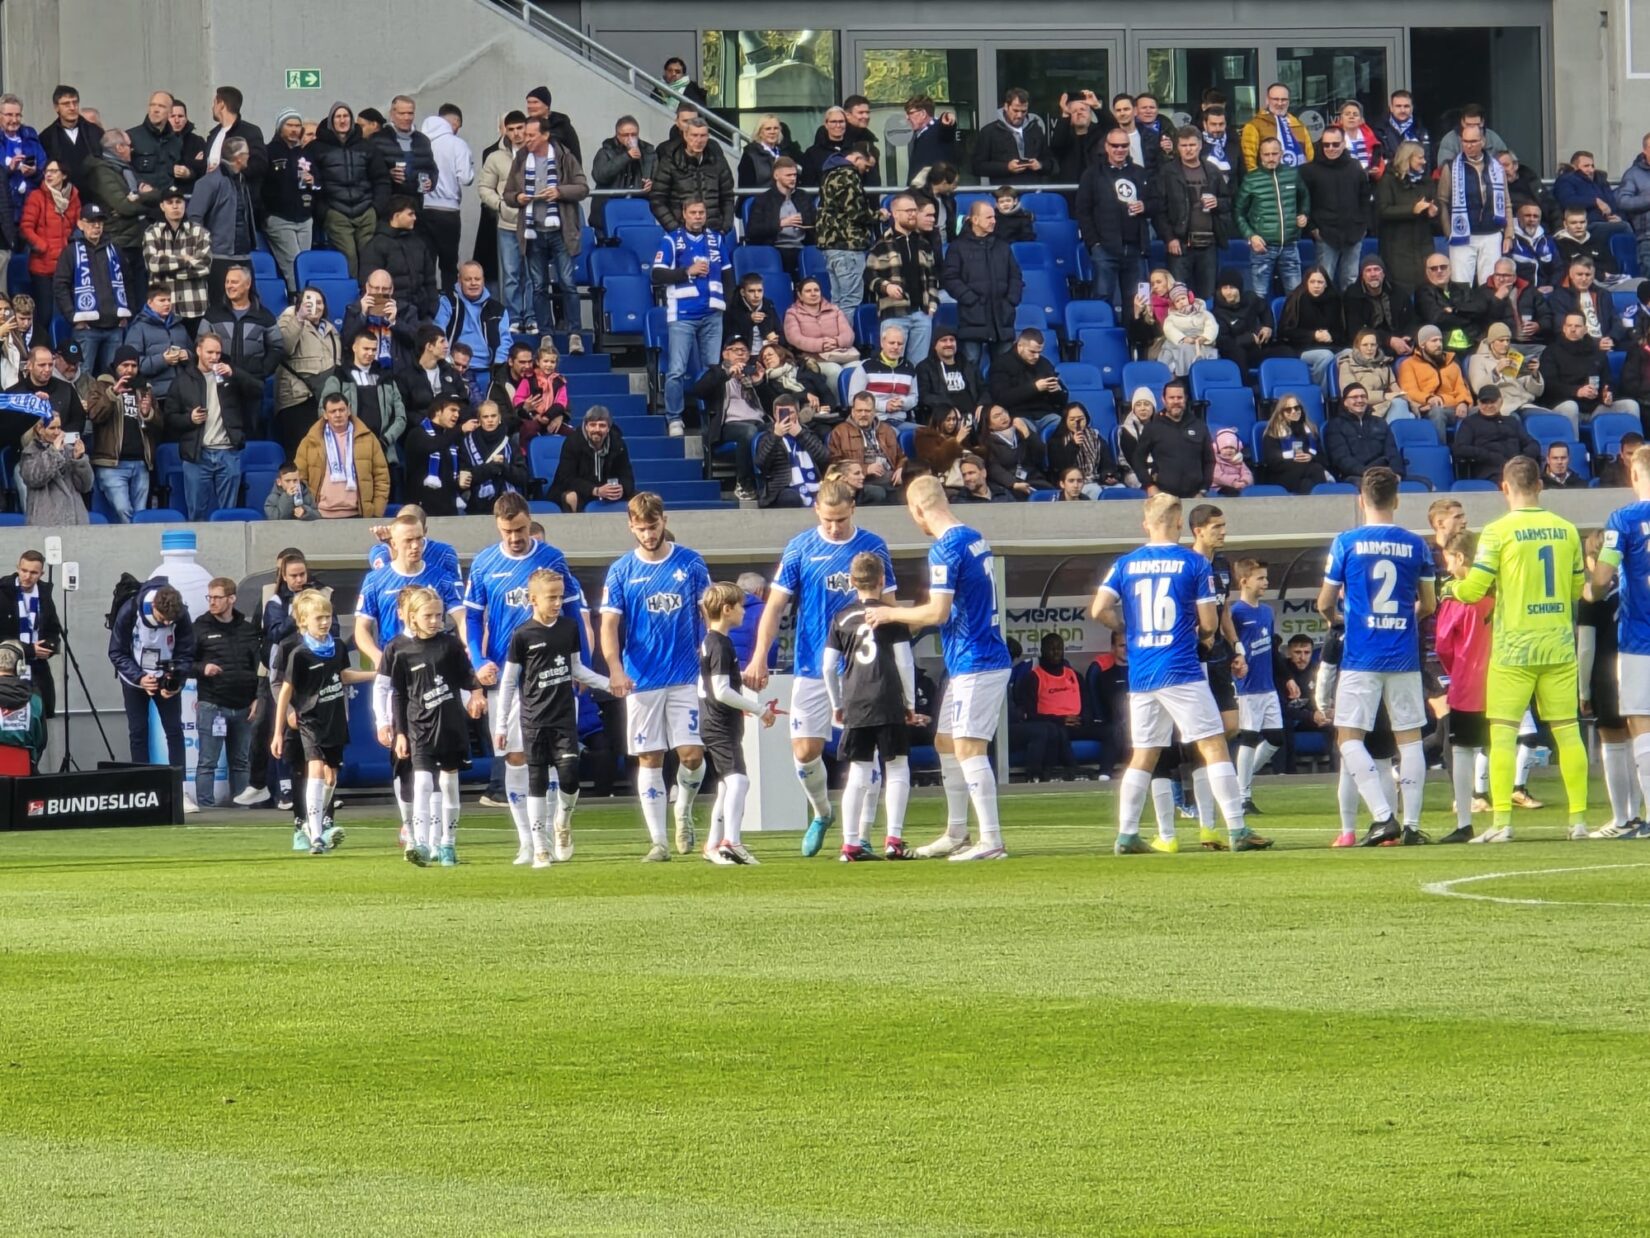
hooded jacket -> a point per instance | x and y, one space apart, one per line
285 196
845 218
152 336
455 165
135 627
349 171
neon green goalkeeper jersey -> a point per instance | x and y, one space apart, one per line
1533 561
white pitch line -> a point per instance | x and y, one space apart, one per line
1446 889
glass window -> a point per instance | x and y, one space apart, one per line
1498 68
791 73
1047 73
1178 76
891 75
1320 79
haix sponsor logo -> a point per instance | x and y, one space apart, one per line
517 597
838 582
123 801
664 603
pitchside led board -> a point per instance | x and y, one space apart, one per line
113 795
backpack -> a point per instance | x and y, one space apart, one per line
126 588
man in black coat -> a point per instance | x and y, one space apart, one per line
70 139
1355 440
1024 381
28 615
1194 213
226 111
594 464
399 248
206 417
1341 196
560 124
947 380
1488 438
350 175
1175 453
1013 148
980 273
1113 208
695 169
782 217
1372 302
406 153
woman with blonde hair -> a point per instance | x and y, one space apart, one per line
1406 204
767 143
1291 453
1366 364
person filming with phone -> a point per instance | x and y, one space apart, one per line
56 472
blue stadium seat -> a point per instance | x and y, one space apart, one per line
1547 428
158 515
1116 493
613 260
262 454
1311 398
1414 432
1046 289
1334 487
655 446
907 435
543 454
13 520
1027 314
1204 376
623 212
1107 349
652 472
1042 205
625 302
234 515
1579 461
1044 496
1277 373
763 259
271 291
256 485
1606 430
640 241
1065 248
1082 315
866 333
1264 491
1625 252
1412 487
313 264
1079 374
263 265
1430 464
1231 406
1032 256
1153 374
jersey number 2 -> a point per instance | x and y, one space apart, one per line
1385 572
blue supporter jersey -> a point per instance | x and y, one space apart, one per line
381 591
1161 587
496 599
659 603
960 563
1627 548
438 553
814 571
1380 567
1254 633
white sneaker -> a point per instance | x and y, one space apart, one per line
524 855
745 494
575 343
252 797
1579 831
685 836
658 853
737 854
541 859
676 429
1609 831
564 842
190 808
981 851
715 856
1502 835
945 844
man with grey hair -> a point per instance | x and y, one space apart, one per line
224 203
408 155
109 180
21 153
695 169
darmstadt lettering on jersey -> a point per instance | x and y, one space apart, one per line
1390 550
1152 567
1539 535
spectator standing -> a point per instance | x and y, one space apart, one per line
192 165
252 345
933 136
981 274
500 216
313 350
227 645
224 203
91 289
1355 440
900 276
152 648
110 184
547 184
558 124
1339 189
374 397
22 156
161 341
40 378
1272 207
454 169
350 176
1362 146
623 162
694 170
205 415
1078 135
228 124
1486 439
1401 125
1406 205
125 415
766 147
782 217
1218 146
407 155
55 474
1196 213
594 464
1013 147
70 139
399 248
1472 188
485 247
692 268
843 225
341 463
50 216
177 252
289 196
790 460
1278 124
1113 209
675 75
1175 453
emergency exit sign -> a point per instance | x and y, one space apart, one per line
303 79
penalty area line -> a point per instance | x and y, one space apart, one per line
1447 889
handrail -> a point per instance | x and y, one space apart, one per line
611 63
746 192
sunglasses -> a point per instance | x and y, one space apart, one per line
1438 268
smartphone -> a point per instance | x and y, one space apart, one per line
1143 290
71 437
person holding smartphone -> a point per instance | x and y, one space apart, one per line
24 159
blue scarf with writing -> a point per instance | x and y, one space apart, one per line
1466 198
85 294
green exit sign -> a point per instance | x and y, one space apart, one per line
303 79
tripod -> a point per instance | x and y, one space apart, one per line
74 665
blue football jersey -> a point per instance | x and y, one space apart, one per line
814 571
496 597
659 603
381 591
1380 567
1627 548
439 553
1160 588
960 563
1254 633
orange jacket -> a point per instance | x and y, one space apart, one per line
1422 379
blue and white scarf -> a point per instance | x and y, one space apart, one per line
28 619
1293 153
384 358
1215 151
85 294
320 648
500 454
1357 147
432 471
24 402
540 214
804 475
340 456
1464 206
1533 252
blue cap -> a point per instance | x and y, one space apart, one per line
177 539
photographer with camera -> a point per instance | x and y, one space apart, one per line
152 647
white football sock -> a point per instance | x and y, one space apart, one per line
566 802
1387 772
1641 763
424 810
736 788
868 804
1264 752
1460 771
1481 772
1132 790
1618 780
1204 798
449 807
688 782
853 800
1355 759
1245 768
515 792
1526 759
538 821
650 785
812 774
1346 799
982 793
713 838
956 795
315 806
403 805
1412 782
1223 785
1163 806
896 786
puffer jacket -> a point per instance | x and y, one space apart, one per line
1268 203
815 331
1633 196
982 276
252 344
613 168
679 176
1374 376
407 256
46 230
420 171
349 171
152 337
495 170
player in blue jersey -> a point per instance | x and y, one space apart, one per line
1625 559
962 603
1260 713
814 571
1386 575
437 554
651 632
1162 598
495 605
376 619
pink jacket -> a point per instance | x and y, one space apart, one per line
817 331
1463 644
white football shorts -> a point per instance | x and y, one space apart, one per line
1260 711
663 718
1154 715
810 709
973 704
1359 694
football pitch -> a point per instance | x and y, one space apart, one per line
204 1033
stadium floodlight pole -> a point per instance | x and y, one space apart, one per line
68 762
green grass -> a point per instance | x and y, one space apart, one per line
201 1033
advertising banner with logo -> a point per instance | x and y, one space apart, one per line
113 795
